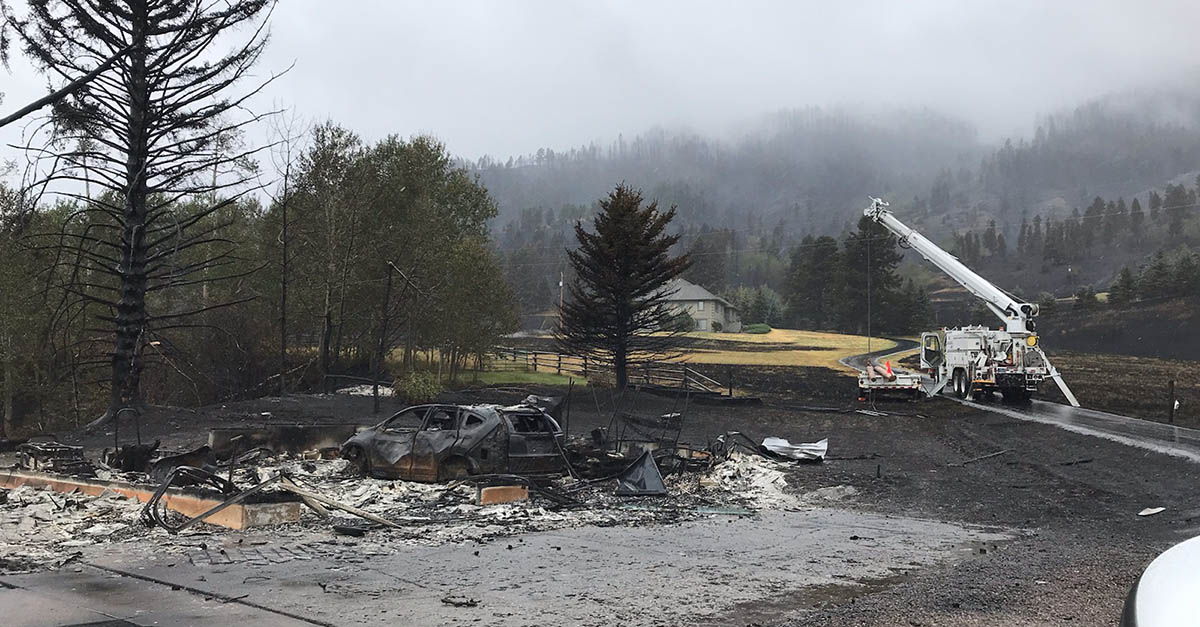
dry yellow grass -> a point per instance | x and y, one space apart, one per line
814 348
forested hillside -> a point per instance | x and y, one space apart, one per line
1091 190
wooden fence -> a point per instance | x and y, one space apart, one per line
664 374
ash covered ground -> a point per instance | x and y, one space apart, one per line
893 525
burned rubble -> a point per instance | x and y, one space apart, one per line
633 472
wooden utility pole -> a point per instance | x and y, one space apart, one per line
1171 401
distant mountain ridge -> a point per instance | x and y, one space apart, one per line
811 169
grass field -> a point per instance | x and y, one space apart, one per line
780 347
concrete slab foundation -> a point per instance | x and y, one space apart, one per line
188 503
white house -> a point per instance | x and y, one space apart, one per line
711 312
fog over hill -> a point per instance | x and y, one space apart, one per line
811 169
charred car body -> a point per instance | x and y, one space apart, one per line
443 442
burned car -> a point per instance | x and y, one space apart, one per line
444 442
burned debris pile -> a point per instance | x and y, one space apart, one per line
430 474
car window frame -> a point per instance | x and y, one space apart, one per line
455 417
386 425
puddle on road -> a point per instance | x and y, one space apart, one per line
818 597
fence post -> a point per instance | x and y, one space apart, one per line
1171 400
535 362
731 382
558 370
585 366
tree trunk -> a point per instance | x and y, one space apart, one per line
10 388
326 330
131 307
283 285
380 364
619 368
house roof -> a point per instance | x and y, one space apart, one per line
681 290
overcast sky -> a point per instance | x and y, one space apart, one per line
508 77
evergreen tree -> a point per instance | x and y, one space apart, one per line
812 283
1090 223
989 237
1175 205
1085 297
1155 281
617 308
1156 203
869 260
1136 219
1123 290
1184 280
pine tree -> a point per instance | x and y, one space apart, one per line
617 308
1156 203
870 258
161 115
1123 290
1155 281
1136 219
1175 205
989 237
1184 280
812 285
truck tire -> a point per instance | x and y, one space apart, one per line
960 383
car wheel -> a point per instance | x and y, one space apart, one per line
358 457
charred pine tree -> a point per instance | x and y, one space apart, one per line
617 307
148 130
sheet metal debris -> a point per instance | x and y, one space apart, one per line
810 451
641 478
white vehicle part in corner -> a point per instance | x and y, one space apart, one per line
1165 595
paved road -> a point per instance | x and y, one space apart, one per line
859 362
1146 434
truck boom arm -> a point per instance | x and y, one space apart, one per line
1015 314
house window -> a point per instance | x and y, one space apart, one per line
700 306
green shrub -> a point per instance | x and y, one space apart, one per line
757 328
681 322
418 387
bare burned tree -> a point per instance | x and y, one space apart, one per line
288 133
153 122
